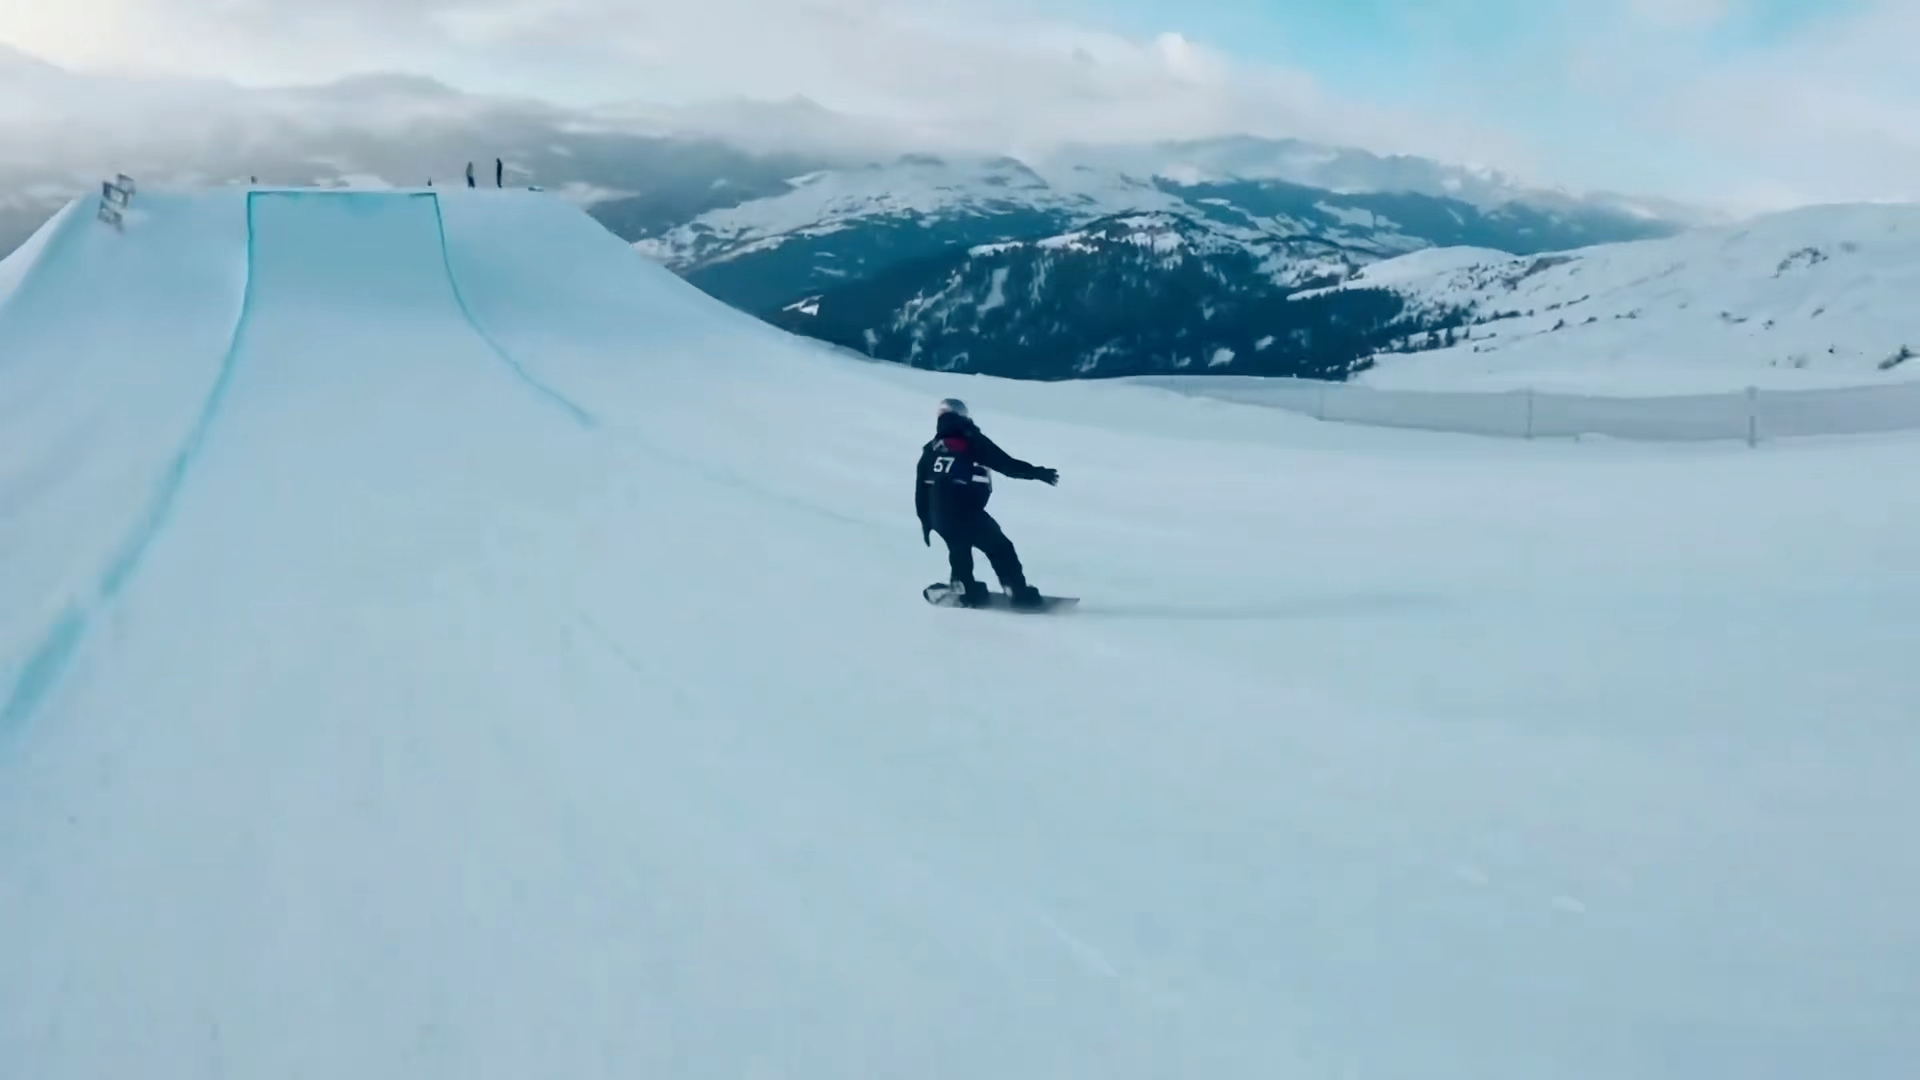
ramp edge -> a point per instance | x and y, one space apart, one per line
40 673
561 401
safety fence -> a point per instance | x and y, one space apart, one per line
1752 414
115 196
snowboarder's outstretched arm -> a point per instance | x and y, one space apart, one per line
988 453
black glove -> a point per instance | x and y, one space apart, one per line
1051 477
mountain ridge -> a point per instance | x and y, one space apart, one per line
827 228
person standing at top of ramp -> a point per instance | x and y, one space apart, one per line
469 174
499 172
953 483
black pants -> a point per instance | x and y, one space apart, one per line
977 529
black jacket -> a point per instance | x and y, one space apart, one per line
953 477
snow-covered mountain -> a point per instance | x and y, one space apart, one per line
992 266
1815 296
839 225
1131 294
1353 170
850 225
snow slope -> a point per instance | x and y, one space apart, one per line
1812 297
440 643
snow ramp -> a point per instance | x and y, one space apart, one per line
109 345
334 305
439 643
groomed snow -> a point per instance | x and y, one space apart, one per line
512 667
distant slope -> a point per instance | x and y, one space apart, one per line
1821 295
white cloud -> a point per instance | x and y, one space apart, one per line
985 78
1654 99
1828 112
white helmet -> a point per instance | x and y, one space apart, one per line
952 405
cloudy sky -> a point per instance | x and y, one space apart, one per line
1753 103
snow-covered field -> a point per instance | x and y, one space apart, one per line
505 661
1815 297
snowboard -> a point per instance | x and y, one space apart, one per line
941 594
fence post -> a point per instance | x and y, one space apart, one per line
1753 416
1529 412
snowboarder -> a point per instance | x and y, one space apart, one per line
952 486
